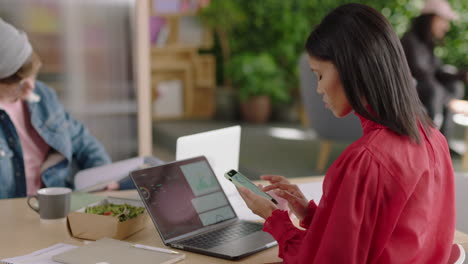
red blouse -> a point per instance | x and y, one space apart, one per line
385 200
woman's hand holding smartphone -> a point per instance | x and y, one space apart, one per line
283 189
298 204
262 206
241 181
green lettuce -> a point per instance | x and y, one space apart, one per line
122 211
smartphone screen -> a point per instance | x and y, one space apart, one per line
241 181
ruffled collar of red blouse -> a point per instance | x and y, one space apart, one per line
366 124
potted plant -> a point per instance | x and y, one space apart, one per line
259 83
246 26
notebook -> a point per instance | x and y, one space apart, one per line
107 250
221 149
191 211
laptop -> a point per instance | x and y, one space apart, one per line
191 211
221 148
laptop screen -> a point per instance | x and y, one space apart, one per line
182 196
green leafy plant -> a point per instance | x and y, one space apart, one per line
400 13
123 212
223 16
275 27
256 75
280 28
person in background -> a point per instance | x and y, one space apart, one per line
440 87
389 197
38 138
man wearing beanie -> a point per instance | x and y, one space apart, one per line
38 138
440 87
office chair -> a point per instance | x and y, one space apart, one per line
328 128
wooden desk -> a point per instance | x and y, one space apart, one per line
22 232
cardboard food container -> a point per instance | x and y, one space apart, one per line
94 227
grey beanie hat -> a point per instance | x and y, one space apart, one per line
15 49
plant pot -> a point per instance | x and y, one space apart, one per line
285 112
257 109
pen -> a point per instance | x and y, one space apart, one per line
155 249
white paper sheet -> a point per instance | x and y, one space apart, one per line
43 256
312 190
97 178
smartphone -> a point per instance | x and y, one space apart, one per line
241 181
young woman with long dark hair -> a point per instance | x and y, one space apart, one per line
389 197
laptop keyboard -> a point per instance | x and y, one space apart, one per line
222 236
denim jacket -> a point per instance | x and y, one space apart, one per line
68 138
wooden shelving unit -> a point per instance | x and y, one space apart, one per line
176 60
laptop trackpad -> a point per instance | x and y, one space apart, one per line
248 244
